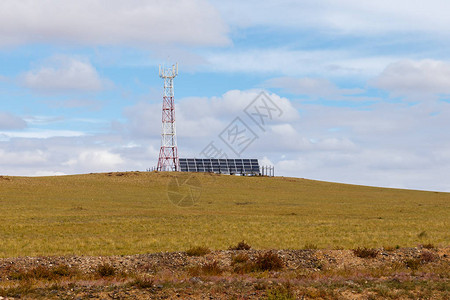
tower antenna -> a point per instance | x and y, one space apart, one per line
168 155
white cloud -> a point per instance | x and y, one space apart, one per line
290 138
34 133
43 120
396 167
97 160
38 156
62 74
415 78
345 16
9 121
392 145
312 87
143 120
199 117
24 157
231 104
111 22
49 173
338 63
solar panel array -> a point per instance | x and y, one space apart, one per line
222 166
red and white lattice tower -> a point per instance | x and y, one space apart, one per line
168 155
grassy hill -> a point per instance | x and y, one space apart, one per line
128 213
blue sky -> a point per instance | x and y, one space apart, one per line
363 87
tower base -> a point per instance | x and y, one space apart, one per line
168 159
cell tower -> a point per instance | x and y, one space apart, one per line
168 155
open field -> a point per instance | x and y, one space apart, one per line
129 213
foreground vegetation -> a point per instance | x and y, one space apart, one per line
129 213
364 273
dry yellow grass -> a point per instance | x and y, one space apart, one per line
105 214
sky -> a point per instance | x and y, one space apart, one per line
359 91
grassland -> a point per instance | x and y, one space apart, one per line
129 213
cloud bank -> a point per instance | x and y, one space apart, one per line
343 17
111 22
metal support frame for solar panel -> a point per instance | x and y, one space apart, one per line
220 166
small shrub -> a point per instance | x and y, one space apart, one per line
194 270
242 245
389 248
64 271
365 252
239 258
105 270
397 266
281 293
413 263
241 263
268 261
244 268
17 291
310 246
17 275
383 291
260 285
212 268
197 251
428 246
143 282
422 234
41 272
428 256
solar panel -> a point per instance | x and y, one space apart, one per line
223 166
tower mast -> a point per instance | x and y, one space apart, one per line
168 155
